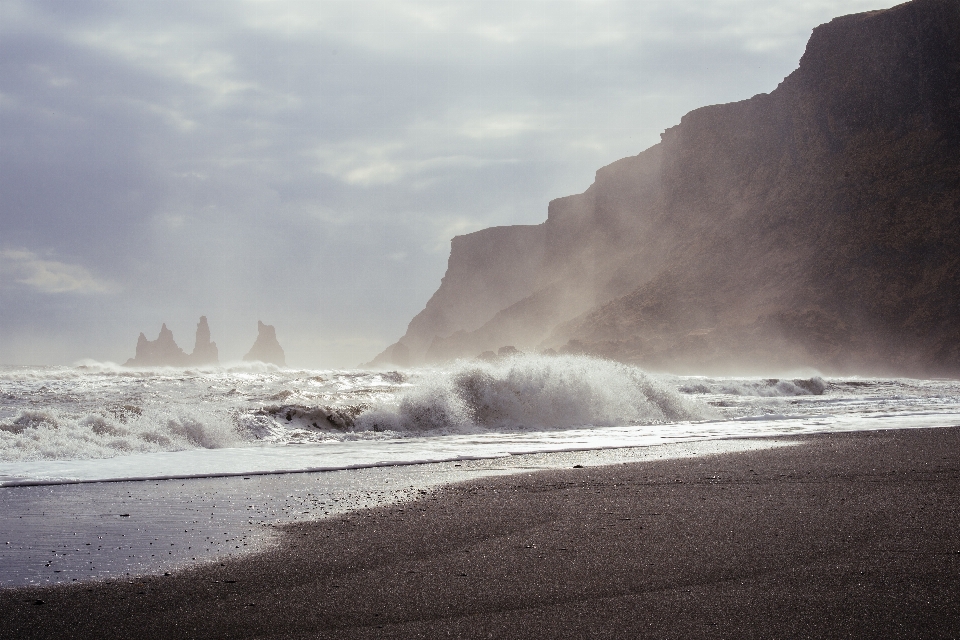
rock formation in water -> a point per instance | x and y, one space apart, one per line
266 348
164 352
204 350
817 225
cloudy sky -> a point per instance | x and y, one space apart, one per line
306 163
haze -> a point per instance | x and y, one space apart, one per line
306 164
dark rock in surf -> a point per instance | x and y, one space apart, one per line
266 348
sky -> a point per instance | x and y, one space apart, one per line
307 163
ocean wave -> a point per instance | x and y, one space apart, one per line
769 388
96 366
51 434
530 392
101 410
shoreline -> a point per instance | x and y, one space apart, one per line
108 530
457 460
853 533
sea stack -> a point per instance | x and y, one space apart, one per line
204 350
162 352
266 348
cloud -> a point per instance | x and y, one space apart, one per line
236 157
452 226
50 276
365 163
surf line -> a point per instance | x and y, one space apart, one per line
30 482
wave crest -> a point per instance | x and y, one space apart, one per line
532 392
769 388
57 435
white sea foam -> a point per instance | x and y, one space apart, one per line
241 418
531 392
101 410
766 388
55 434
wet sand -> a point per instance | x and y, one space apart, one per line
91 531
843 535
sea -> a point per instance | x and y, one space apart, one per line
109 472
95 422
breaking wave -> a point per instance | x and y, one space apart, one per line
50 434
769 388
531 392
99 410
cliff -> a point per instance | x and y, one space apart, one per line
817 225
266 348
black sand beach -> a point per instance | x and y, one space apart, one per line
844 535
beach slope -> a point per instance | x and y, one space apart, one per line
840 535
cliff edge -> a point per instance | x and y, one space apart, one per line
817 225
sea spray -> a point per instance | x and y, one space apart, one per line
100 410
55 434
765 388
530 392
98 421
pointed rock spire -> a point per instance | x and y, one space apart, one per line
164 352
204 350
266 348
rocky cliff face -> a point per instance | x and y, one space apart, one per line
164 352
816 225
266 348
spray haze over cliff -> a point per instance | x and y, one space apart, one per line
817 225
308 163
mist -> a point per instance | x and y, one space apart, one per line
306 164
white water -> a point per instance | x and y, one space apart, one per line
104 422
